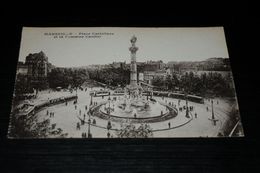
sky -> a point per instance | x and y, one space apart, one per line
166 44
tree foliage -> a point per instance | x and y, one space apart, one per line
130 131
111 76
67 76
21 85
24 127
211 84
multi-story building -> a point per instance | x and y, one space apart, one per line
150 75
118 64
154 65
22 69
37 65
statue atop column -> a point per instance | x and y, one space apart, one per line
133 48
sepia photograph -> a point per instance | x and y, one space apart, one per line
111 82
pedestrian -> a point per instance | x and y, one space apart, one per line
109 126
94 121
195 115
75 107
86 107
78 126
47 113
169 124
207 109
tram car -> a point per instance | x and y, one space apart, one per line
119 91
100 93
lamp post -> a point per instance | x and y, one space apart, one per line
186 97
109 99
213 115
89 133
109 126
187 108
91 101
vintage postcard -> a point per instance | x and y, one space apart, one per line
124 83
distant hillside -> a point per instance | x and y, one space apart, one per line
211 64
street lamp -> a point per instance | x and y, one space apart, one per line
109 126
187 108
213 116
91 101
109 99
89 133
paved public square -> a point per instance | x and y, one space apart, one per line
67 116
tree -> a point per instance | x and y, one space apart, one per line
65 77
169 82
130 131
110 76
159 82
21 85
24 127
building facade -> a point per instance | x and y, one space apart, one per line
22 69
118 65
37 65
150 75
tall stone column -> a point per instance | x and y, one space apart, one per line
133 67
